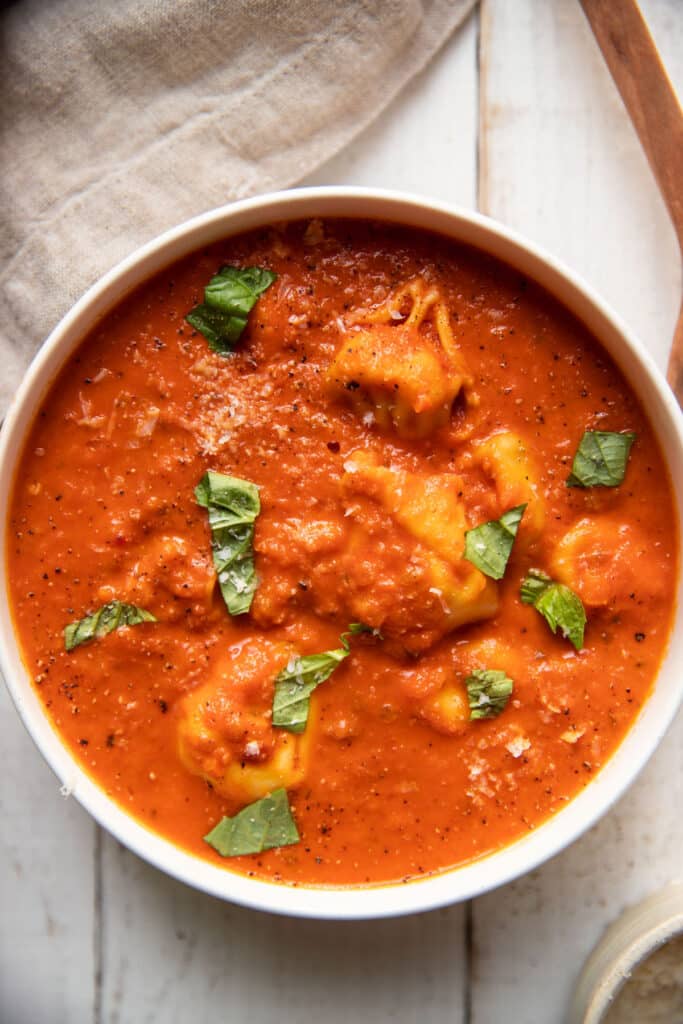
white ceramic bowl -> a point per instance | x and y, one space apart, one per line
496 868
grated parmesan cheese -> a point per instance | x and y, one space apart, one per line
653 994
572 735
518 745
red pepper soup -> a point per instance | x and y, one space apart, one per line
341 553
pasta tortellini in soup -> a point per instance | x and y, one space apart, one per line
601 559
395 562
399 364
225 733
508 464
403 567
445 707
168 568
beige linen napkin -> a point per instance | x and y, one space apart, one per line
121 119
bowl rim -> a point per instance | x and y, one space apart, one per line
500 866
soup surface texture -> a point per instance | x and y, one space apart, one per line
391 391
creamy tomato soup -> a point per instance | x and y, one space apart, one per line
358 574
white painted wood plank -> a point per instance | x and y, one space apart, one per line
171 954
46 888
562 164
532 937
561 161
425 141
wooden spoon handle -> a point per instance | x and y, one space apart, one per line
648 95
674 371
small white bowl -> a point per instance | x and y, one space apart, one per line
496 868
628 942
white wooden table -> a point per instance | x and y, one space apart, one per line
517 116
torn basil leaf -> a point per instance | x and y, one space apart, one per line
560 607
263 825
228 299
356 629
297 681
488 546
600 459
233 506
488 691
105 620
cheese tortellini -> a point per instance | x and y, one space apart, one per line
399 363
225 733
509 465
403 568
169 573
447 708
600 558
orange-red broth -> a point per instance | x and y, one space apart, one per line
104 479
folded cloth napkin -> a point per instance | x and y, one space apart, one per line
123 119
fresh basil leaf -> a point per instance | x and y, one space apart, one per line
356 629
560 607
233 506
488 546
230 500
228 299
234 290
488 691
297 681
105 620
221 331
263 825
534 586
600 459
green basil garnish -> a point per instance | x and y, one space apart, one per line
559 606
228 299
105 620
263 825
488 546
297 681
600 459
233 506
488 691
356 628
